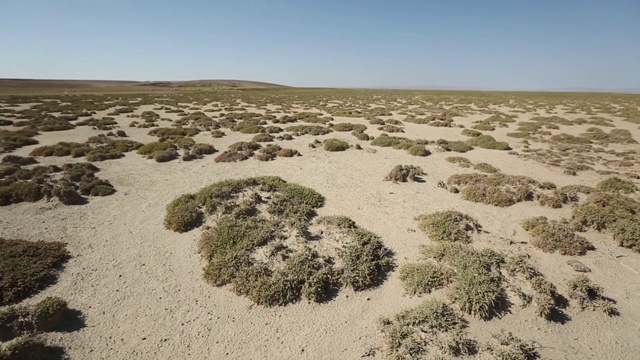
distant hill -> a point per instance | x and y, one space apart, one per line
89 84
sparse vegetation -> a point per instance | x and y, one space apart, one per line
248 245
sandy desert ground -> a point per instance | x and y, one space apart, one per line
140 286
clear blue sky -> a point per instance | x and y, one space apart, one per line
496 44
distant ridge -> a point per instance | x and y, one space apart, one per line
88 84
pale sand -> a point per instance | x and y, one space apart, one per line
141 289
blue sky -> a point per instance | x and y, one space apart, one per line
492 44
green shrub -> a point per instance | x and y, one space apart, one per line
19 160
478 293
486 168
450 226
456 146
488 142
418 279
262 138
470 133
418 150
627 234
287 153
431 329
551 236
616 184
28 267
165 155
335 145
183 214
246 246
348 127
232 156
483 127
313 130
152 148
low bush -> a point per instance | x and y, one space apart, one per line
448 226
418 279
616 184
28 267
551 236
404 173
488 142
247 246
335 145
589 295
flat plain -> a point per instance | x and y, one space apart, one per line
180 222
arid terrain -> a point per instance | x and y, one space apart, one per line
288 223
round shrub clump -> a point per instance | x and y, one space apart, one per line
335 145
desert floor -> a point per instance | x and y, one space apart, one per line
140 286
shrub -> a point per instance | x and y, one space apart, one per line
348 127
508 347
589 295
165 155
200 149
27 348
616 184
262 138
246 247
551 236
456 146
627 233
19 160
361 135
470 133
418 150
49 314
483 127
431 329
462 161
601 211
335 145
183 214
313 130
495 189
451 226
232 156
287 153
152 148
28 267
478 293
488 142
217 133
11 140
486 168
418 279
404 173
